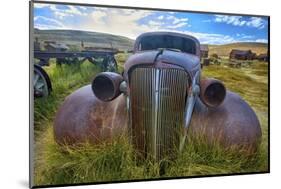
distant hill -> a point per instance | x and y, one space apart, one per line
224 50
94 39
97 39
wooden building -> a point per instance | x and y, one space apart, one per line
204 51
242 54
263 57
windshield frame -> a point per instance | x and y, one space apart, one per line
140 39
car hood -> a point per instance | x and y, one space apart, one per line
189 62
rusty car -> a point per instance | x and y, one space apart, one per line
160 101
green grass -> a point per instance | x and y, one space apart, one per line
114 161
122 57
251 83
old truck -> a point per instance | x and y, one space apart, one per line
160 101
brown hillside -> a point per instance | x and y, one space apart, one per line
224 50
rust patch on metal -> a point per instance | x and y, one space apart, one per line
83 117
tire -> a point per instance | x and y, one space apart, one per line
41 82
109 64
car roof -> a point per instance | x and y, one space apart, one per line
140 37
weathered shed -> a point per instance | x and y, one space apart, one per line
263 57
204 51
242 54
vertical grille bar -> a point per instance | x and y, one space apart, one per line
157 110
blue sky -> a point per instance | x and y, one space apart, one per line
208 28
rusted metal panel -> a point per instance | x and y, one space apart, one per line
83 117
233 124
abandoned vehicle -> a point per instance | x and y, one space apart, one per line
160 101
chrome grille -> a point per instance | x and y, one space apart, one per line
157 98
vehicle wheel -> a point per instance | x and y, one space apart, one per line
41 82
110 64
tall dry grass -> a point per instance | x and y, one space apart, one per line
116 161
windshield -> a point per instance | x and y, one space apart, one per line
167 41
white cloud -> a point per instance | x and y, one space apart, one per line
262 40
176 20
244 36
131 23
180 20
160 17
233 20
210 38
124 22
213 38
98 16
127 22
179 25
47 21
256 22
48 27
83 8
40 5
169 17
119 21
155 23
69 11
73 10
